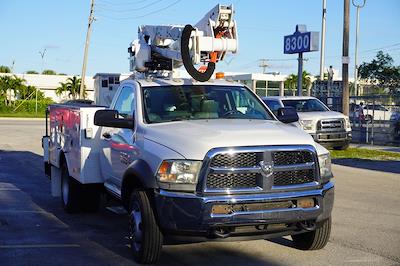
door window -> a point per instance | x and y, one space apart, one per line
125 104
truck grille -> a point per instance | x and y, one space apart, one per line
287 178
232 181
292 157
330 124
227 160
242 171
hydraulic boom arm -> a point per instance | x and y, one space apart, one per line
168 47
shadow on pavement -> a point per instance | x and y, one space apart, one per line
34 227
384 166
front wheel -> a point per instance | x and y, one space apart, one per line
314 240
144 234
343 147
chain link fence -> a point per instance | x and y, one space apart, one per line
375 119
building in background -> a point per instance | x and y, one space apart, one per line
262 84
48 84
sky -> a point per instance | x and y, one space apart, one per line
59 27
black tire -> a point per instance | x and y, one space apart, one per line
314 240
91 198
144 234
343 147
70 192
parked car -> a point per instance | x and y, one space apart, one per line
330 129
377 112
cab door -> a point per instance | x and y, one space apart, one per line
118 143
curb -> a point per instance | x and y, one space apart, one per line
23 118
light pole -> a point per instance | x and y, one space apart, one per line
322 55
356 49
42 53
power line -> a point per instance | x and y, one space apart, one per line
137 17
386 48
121 4
381 48
131 9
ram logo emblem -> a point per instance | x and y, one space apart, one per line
267 168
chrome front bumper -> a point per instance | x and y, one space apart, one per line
187 213
334 136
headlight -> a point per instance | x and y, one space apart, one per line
325 167
347 123
306 124
183 172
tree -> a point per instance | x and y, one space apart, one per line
72 87
28 92
382 73
32 72
49 72
291 81
10 84
5 69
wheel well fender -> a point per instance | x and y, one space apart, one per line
138 175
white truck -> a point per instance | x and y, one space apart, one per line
329 128
192 161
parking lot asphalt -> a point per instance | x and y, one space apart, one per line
34 230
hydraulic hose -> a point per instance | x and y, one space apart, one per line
187 60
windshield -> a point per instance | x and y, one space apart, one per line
306 105
175 103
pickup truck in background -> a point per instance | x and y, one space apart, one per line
330 129
191 161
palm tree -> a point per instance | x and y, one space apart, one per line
61 89
291 81
72 87
27 92
10 84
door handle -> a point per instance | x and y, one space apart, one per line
106 135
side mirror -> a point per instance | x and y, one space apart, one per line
109 118
287 115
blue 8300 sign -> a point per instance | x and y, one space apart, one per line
300 42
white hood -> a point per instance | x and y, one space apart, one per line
193 139
319 115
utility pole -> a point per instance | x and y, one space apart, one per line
356 49
89 30
36 91
345 58
322 55
263 64
300 75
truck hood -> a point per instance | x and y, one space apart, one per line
319 115
193 139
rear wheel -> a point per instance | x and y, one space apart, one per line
70 191
314 240
76 197
144 234
91 198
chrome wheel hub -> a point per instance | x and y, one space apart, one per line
65 190
135 227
